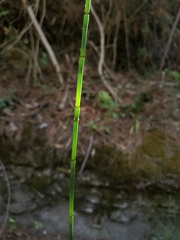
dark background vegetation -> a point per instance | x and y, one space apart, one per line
141 27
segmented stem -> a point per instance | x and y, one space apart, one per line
76 115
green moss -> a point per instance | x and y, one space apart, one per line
156 156
112 164
154 144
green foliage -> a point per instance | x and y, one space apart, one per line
107 103
87 95
106 129
92 125
132 109
106 100
135 127
178 95
174 74
25 41
11 33
11 225
137 106
7 99
2 103
168 232
37 224
43 59
44 89
4 13
169 227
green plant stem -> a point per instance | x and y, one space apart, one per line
76 116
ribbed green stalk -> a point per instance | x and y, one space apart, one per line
76 115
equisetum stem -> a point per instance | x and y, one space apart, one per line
76 116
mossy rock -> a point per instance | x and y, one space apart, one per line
156 156
152 160
17 58
110 163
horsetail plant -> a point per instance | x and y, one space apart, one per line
76 115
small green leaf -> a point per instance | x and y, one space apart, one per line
43 86
2 103
161 85
107 130
3 13
11 220
114 115
123 114
10 102
106 102
37 224
26 41
177 129
131 130
175 74
11 225
137 125
92 125
43 59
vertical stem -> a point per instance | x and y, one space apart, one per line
76 115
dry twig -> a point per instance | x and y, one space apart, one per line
102 55
46 44
10 44
168 45
116 39
127 35
37 67
87 155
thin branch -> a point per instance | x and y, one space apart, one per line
64 98
126 35
10 44
108 14
108 70
168 45
102 54
46 44
33 55
87 155
28 71
116 39
37 67
101 30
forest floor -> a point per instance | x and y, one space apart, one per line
143 105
